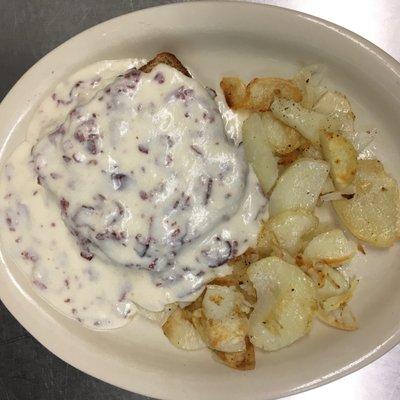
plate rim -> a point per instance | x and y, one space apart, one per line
388 60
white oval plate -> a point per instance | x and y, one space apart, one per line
216 39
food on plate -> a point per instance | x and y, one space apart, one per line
282 138
222 320
335 310
129 168
242 360
372 213
342 158
130 197
332 248
289 228
239 276
334 102
304 180
259 154
286 303
320 162
336 107
167 59
180 331
309 123
259 93
110 198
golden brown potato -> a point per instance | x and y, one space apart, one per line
286 302
309 150
242 360
342 158
333 102
282 138
332 283
239 277
290 227
331 248
194 306
264 241
234 91
372 213
341 318
181 333
259 93
307 122
222 322
299 186
289 158
240 265
309 79
335 310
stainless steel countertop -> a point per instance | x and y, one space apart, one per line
29 371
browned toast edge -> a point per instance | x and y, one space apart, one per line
168 59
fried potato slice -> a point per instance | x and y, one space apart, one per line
289 158
235 92
334 291
181 333
308 123
286 302
309 150
340 318
259 153
372 214
334 283
328 186
299 186
239 271
242 360
337 301
263 246
342 158
220 302
281 137
331 248
333 102
290 227
239 277
195 305
335 310
222 321
340 118
309 80
259 93
361 139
